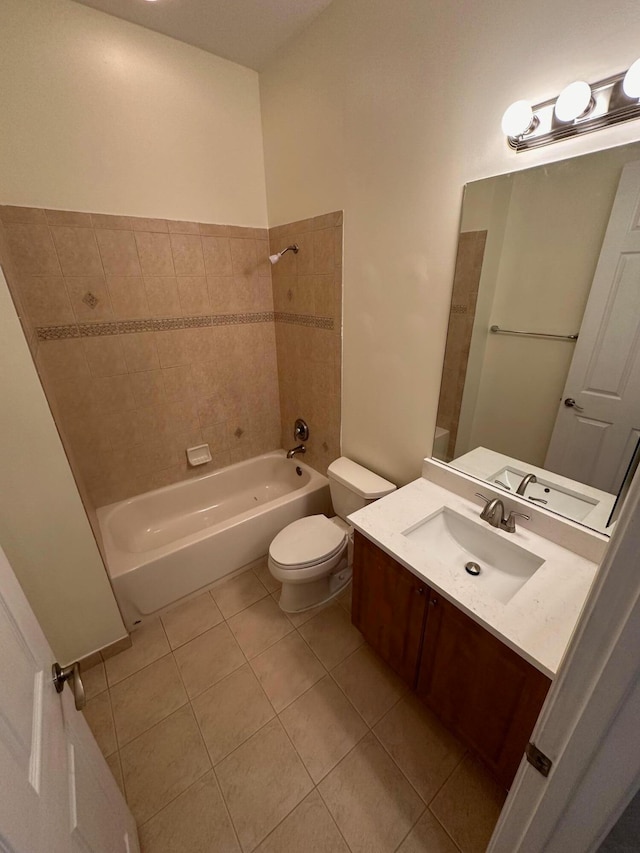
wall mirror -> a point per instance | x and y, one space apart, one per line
541 373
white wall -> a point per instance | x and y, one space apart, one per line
104 116
386 110
44 530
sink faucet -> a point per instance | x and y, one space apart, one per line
493 513
530 478
299 449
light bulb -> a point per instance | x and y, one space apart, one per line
574 101
517 119
631 82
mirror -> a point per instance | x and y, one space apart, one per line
541 374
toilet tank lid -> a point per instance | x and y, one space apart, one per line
362 481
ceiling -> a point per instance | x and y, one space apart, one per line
244 31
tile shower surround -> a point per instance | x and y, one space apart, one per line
153 335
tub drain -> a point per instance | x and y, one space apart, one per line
473 568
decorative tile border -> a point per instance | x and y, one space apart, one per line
304 320
162 324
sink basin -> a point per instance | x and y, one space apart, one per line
455 540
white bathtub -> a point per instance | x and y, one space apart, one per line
168 543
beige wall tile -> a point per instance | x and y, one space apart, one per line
155 225
187 254
180 227
128 297
118 252
217 256
32 249
162 296
114 393
107 220
177 382
33 215
148 388
140 351
81 289
68 217
77 250
193 294
154 251
45 300
104 355
63 360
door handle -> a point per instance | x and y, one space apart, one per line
570 403
71 674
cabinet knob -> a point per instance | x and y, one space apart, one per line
420 590
434 601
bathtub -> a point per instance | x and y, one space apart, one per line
166 544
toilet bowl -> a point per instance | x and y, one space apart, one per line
311 557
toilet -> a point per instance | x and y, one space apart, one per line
312 557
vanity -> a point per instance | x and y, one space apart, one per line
479 648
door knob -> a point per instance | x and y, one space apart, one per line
71 674
570 403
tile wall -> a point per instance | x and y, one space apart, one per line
152 336
461 318
307 295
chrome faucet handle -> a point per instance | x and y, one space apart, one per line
509 523
484 498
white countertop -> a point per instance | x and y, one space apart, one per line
536 623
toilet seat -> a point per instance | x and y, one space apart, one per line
307 542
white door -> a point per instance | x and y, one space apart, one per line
57 794
593 441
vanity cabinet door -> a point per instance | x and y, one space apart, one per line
482 690
389 607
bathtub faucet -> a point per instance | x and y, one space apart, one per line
299 449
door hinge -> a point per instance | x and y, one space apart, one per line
538 759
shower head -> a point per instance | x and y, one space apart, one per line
293 248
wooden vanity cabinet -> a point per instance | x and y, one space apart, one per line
389 608
480 689
484 692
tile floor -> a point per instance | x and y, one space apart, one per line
232 727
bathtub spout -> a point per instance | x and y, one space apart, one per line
299 449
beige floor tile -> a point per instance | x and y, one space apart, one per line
370 800
369 683
148 644
427 836
114 765
420 745
237 594
468 806
195 822
308 829
262 781
231 711
260 626
97 713
162 763
331 635
298 619
208 658
323 726
344 599
94 680
266 578
191 619
146 697
287 669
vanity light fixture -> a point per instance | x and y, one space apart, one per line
579 108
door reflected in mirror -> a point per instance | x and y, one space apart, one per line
540 390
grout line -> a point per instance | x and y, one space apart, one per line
444 828
411 828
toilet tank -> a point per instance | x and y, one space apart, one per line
353 487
